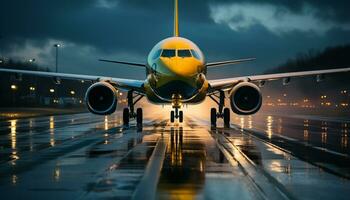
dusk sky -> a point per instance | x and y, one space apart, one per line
270 30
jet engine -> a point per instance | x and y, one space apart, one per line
101 98
245 98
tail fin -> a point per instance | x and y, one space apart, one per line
176 18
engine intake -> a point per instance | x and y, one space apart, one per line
101 98
245 98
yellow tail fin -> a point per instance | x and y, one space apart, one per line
176 19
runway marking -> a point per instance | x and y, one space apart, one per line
148 184
302 151
194 168
269 187
124 174
105 183
28 160
121 163
261 181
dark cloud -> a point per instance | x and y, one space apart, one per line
129 28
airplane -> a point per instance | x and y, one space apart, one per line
176 75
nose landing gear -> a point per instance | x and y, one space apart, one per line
223 113
176 115
129 112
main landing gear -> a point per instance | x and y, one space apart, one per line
129 113
223 113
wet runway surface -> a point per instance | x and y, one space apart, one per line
83 156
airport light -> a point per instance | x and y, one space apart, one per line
72 92
52 90
14 87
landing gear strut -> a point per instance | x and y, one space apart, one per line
223 113
176 113
129 112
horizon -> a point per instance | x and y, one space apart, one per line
272 31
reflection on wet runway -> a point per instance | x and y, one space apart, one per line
328 134
90 157
183 169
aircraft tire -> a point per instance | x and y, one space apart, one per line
172 116
139 116
181 116
227 118
126 116
213 117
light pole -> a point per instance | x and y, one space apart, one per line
57 82
57 46
1 58
32 89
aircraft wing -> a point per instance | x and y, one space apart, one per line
124 63
228 62
127 84
225 84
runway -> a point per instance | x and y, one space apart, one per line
83 156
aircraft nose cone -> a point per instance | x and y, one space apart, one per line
183 67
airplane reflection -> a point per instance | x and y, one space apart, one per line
184 166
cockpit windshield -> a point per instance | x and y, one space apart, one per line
168 53
157 54
184 53
195 54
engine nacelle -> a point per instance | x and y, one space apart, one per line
245 98
101 98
